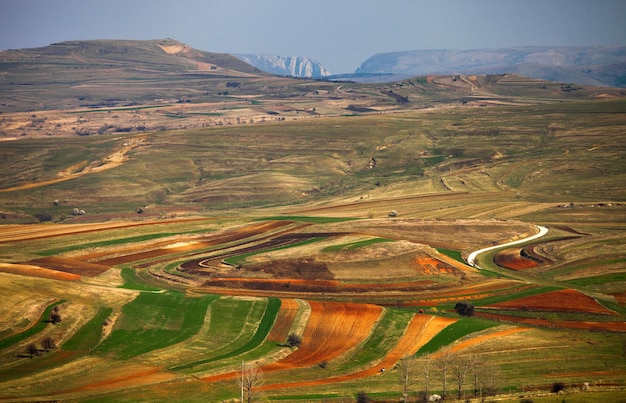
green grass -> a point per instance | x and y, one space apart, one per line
89 335
263 329
597 280
454 254
40 324
154 321
133 283
355 245
455 331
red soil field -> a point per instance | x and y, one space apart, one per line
512 259
563 324
146 376
333 328
164 248
620 297
420 330
70 266
556 301
36 271
284 320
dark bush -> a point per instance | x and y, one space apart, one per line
464 309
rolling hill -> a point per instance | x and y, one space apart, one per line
183 212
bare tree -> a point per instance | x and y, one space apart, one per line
444 363
408 369
48 344
460 367
477 369
426 368
251 379
32 350
491 379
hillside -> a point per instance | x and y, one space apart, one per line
591 65
112 73
171 218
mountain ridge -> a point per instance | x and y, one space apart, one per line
586 65
293 66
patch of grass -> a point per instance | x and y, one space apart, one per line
263 329
90 334
40 324
132 282
109 242
154 321
455 331
355 245
454 254
595 280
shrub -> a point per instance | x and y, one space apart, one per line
464 309
557 387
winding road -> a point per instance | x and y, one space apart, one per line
471 258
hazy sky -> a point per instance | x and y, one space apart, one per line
340 34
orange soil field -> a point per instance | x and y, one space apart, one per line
512 259
420 330
333 328
557 301
477 340
36 271
284 320
133 379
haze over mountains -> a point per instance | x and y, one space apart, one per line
586 65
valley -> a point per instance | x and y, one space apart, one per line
202 217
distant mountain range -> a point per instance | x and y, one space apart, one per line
293 66
587 65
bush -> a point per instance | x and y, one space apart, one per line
464 309
294 340
557 387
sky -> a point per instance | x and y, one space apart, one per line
340 34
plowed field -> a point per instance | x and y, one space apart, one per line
36 271
557 301
512 259
333 328
421 329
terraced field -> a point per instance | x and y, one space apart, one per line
207 247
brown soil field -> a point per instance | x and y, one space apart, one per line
333 328
420 330
164 248
36 271
70 266
10 233
556 301
620 297
563 324
512 259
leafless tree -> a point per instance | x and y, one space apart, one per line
32 350
426 370
250 380
408 369
444 363
491 379
477 371
460 368
48 344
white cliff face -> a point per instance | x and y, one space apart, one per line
294 66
